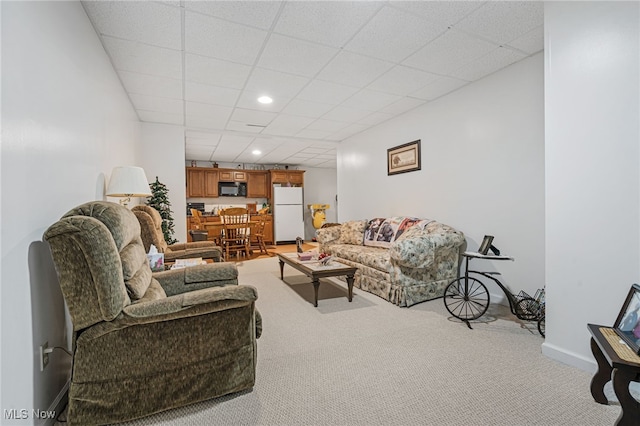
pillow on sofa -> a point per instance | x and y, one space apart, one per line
352 231
382 232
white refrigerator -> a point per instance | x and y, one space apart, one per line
288 214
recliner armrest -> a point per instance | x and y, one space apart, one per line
177 281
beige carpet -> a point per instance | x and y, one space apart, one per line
371 363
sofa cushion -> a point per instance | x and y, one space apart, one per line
382 232
352 232
373 257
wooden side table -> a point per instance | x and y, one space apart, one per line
615 363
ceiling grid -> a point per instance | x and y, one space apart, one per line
333 69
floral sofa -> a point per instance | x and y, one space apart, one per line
403 260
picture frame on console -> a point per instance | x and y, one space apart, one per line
403 158
627 325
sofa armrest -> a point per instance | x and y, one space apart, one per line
327 236
202 301
417 248
177 281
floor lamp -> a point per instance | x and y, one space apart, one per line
127 182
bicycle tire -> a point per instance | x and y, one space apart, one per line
541 326
527 309
466 302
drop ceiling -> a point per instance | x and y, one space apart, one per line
333 68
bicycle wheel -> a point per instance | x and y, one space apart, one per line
541 326
466 301
527 309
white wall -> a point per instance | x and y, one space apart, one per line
320 187
162 155
66 123
592 158
482 168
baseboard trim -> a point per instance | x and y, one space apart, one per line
570 358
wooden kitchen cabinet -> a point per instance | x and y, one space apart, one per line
232 176
294 177
257 186
202 182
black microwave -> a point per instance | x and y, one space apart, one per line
232 189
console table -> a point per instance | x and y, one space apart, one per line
616 362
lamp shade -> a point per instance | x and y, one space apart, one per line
128 181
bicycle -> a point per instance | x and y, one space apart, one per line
467 298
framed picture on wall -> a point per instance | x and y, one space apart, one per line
627 325
403 158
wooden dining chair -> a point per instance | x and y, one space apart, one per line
257 234
201 225
236 231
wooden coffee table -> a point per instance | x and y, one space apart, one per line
315 271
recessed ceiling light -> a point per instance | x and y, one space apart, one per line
256 152
265 100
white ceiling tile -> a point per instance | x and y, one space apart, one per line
350 131
160 117
353 69
207 110
332 23
295 56
312 150
151 85
401 81
439 87
204 93
204 122
197 155
403 105
531 42
313 134
290 122
240 126
202 142
149 22
448 12
154 103
254 13
234 144
202 135
375 118
220 39
325 92
504 21
370 100
275 83
206 115
215 72
346 114
394 34
252 117
449 52
280 131
229 140
249 100
143 58
327 125
306 108
488 64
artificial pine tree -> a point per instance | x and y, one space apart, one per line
159 200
